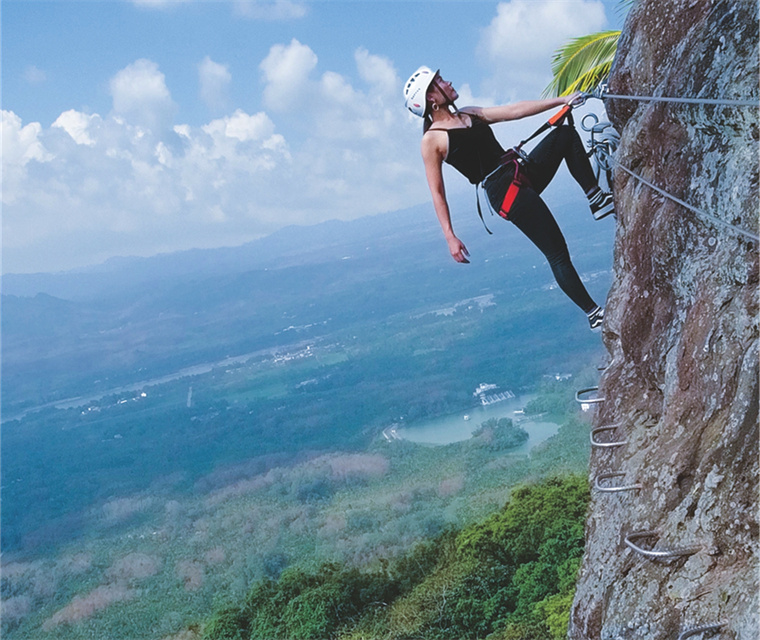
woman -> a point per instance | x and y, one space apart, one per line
463 139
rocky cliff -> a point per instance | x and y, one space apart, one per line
681 386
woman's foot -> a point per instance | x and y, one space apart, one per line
595 319
601 204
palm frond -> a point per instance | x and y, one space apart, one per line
582 63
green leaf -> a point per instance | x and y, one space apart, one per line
583 63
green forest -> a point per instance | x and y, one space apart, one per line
510 576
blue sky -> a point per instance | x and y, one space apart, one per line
139 127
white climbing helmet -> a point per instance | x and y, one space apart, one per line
415 90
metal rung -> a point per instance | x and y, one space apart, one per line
597 443
706 628
622 487
651 553
590 400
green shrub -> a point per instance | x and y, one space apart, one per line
304 605
555 612
534 514
227 624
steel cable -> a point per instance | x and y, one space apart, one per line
607 156
601 94
728 103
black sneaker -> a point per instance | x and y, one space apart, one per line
595 319
601 204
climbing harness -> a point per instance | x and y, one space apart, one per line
516 159
604 142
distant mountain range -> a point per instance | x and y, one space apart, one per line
288 247
131 318
410 235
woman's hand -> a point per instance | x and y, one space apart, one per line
458 250
576 99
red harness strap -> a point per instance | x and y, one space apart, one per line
515 157
519 180
560 115
509 200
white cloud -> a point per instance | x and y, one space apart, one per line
34 76
520 41
378 72
266 10
227 132
124 193
77 124
214 79
286 72
92 186
242 126
21 145
270 10
140 95
337 90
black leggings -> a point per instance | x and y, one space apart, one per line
530 214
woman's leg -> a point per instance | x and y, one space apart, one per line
563 143
531 215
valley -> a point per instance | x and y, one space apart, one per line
167 446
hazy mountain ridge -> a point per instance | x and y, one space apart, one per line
290 246
150 316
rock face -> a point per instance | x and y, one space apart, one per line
681 329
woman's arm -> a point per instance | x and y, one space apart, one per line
434 147
519 110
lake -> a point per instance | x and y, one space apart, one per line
454 427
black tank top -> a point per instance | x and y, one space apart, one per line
474 151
